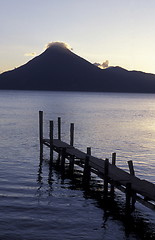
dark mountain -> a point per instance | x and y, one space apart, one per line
57 68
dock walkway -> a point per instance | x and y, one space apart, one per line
135 188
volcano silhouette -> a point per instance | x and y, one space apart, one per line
59 69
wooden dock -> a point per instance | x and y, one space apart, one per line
134 188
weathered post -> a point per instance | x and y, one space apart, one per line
41 132
114 158
89 151
131 168
86 172
59 137
87 168
128 197
51 142
72 134
63 155
106 172
71 165
59 128
71 160
112 182
132 172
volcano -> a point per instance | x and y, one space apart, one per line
59 69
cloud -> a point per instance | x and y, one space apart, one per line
103 65
59 44
30 54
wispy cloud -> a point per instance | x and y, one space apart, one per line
103 65
30 54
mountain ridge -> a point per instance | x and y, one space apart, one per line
59 69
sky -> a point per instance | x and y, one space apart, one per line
120 32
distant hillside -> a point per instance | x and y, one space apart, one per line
59 69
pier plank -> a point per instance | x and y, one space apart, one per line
142 190
143 187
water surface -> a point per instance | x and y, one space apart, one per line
36 203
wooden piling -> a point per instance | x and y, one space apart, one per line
41 131
59 137
106 171
71 164
63 155
114 158
86 172
132 172
112 182
89 151
51 142
128 197
59 128
72 134
131 168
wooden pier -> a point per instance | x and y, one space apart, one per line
134 188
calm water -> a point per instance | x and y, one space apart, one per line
38 204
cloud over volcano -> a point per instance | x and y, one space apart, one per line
59 44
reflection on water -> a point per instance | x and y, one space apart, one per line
113 209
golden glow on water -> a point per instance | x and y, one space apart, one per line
125 124
121 123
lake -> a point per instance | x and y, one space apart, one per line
36 203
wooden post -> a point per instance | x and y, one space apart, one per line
128 197
112 183
59 137
114 158
51 142
58 159
72 134
41 131
63 159
87 169
132 172
59 128
86 172
71 164
106 170
131 168
89 151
